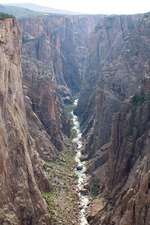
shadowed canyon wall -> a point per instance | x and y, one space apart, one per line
125 176
61 43
105 60
118 60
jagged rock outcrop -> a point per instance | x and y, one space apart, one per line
126 172
21 201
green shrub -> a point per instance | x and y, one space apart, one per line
95 187
138 99
5 16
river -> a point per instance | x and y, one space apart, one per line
80 170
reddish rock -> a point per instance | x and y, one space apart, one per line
126 183
20 199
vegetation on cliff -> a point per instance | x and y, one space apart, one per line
62 200
18 12
5 16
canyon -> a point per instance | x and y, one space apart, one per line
75 120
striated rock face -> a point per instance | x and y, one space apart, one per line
119 159
105 105
130 128
60 43
21 202
54 55
126 174
104 58
118 60
40 88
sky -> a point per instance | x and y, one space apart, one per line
93 6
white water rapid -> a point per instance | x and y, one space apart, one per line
80 170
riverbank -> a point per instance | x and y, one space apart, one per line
68 201
63 200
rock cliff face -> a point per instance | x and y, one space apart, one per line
60 42
44 101
118 60
103 59
126 176
20 166
54 57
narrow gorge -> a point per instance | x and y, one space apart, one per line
74 119
80 170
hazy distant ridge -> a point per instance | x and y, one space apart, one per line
41 9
